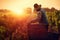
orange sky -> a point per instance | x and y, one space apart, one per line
18 5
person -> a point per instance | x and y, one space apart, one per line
42 26
41 15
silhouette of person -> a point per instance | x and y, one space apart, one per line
41 15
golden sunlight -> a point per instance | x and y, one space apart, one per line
18 5
18 12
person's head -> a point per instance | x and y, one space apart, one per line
37 7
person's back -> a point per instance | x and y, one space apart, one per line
43 17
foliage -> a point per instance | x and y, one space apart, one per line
53 19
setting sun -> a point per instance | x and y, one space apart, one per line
17 11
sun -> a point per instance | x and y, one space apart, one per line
17 12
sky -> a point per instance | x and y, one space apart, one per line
19 5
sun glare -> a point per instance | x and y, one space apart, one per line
18 12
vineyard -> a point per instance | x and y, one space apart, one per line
11 27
